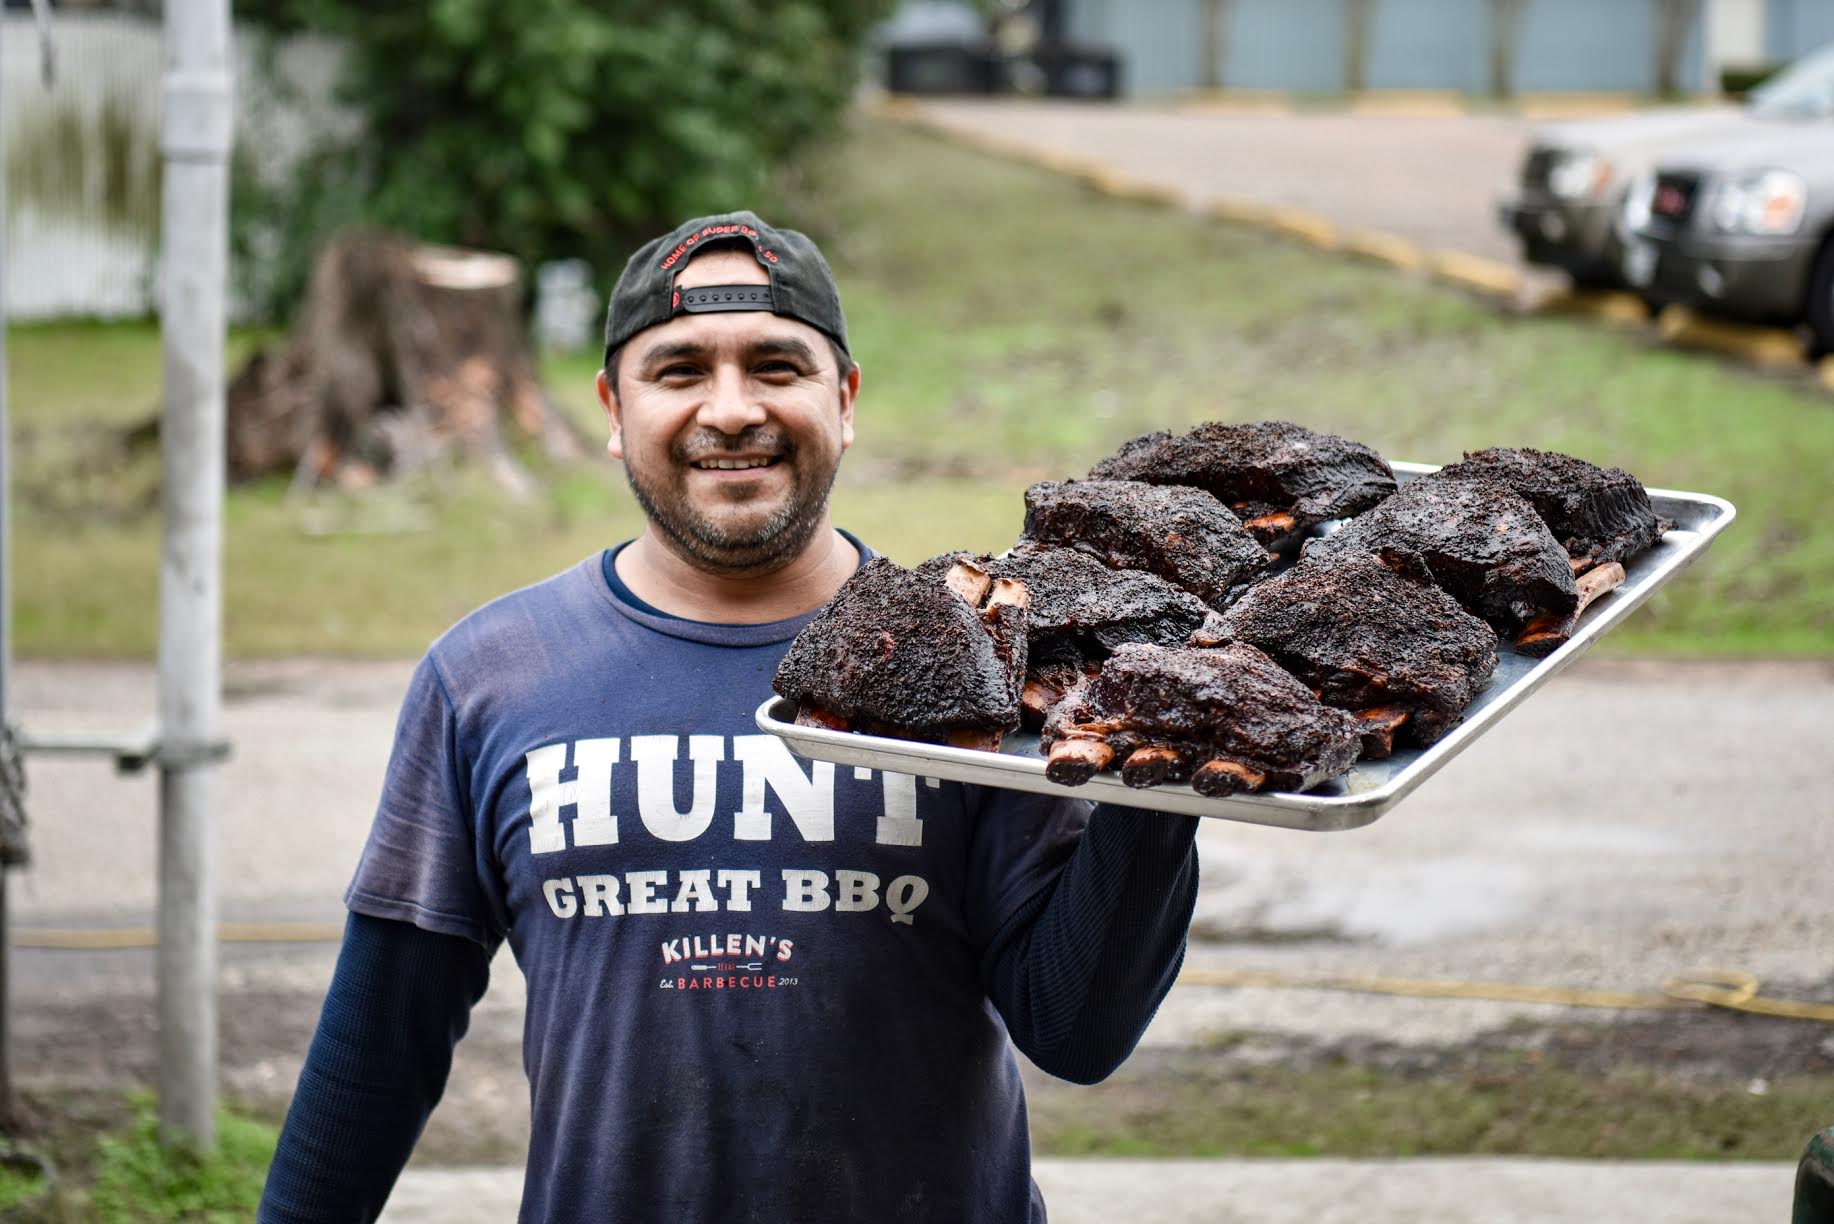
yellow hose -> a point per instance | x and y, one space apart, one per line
1728 989
1731 989
104 939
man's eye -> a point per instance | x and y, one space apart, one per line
678 372
779 369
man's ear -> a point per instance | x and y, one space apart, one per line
608 396
850 392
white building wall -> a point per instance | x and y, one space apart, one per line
1735 38
82 157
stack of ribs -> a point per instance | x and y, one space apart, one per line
1079 613
1485 546
1281 479
1599 515
1227 720
1183 535
913 655
1135 623
1369 635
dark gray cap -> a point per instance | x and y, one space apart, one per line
801 286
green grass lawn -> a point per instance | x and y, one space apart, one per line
1496 1107
1012 327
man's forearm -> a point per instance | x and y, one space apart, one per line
399 1001
1082 974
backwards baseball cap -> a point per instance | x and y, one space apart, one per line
801 286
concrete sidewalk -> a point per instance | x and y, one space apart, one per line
1456 1191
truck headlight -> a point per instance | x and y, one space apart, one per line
1639 200
1768 203
1579 176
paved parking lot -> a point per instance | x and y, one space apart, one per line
1433 179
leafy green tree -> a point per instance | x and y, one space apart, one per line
552 128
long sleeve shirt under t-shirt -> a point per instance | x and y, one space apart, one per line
759 988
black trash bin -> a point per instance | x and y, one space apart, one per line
1072 71
942 68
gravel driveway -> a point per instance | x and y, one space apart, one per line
1631 821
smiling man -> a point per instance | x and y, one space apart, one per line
758 988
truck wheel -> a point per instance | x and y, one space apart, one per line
1818 311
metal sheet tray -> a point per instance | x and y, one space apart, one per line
1357 798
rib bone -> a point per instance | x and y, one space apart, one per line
1271 526
1009 591
1036 700
1220 778
808 715
969 581
1074 761
1546 634
1377 725
1149 766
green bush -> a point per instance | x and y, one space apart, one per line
19 1184
554 128
1737 82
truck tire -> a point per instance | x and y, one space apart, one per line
1818 310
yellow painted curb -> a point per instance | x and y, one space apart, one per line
1391 249
987 142
1411 104
1308 227
1124 187
1764 346
1605 305
1238 210
1070 165
1473 272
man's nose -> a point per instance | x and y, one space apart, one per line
730 405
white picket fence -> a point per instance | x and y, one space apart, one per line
82 157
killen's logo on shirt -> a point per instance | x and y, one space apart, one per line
732 961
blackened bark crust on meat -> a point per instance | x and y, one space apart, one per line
1182 534
1269 468
1485 545
1232 704
897 652
1598 514
1081 610
1365 634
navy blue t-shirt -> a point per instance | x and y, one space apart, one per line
756 984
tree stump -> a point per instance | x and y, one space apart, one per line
402 354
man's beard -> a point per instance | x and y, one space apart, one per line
757 547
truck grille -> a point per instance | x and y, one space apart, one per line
1674 199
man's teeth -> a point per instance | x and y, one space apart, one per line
727 465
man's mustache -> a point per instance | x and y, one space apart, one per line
753 440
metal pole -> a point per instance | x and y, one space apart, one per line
6 616
195 134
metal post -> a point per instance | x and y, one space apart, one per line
196 129
1356 44
1213 56
6 618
